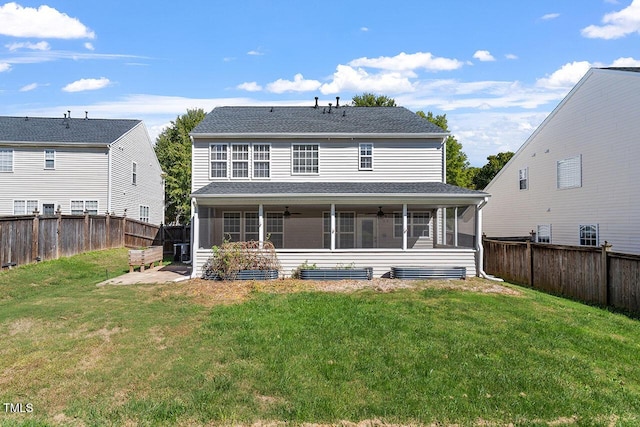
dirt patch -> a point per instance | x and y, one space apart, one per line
20 326
210 292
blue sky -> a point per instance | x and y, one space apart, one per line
496 68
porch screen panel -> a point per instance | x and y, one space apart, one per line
346 230
275 228
251 226
419 224
231 226
326 230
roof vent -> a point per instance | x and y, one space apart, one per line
344 113
337 102
26 119
69 111
271 110
329 108
316 102
86 115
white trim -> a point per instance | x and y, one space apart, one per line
320 135
333 226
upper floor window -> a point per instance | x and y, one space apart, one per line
589 235
134 173
6 160
523 178
49 159
305 159
543 234
144 213
261 160
366 157
240 160
218 157
570 172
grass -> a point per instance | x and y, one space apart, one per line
148 355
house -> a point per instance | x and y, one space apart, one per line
330 185
575 179
79 164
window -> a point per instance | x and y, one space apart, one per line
251 226
144 213
417 224
48 209
366 157
570 172
49 159
231 226
134 173
78 207
261 160
6 160
218 157
523 177
24 207
543 234
345 230
305 159
275 228
240 161
589 235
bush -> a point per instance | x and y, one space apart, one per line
232 257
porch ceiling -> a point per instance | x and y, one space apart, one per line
300 193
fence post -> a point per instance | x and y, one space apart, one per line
35 236
107 226
604 273
87 237
124 229
58 231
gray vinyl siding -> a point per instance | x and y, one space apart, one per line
135 146
393 161
598 121
79 174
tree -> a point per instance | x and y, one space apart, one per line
173 149
369 99
494 164
458 171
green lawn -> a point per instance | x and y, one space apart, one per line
153 355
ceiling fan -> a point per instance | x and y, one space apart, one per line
379 214
287 214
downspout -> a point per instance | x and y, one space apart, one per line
109 187
195 236
479 247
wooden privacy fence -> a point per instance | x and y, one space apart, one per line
31 238
593 275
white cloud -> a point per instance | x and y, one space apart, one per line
89 46
29 87
566 77
408 62
616 24
347 78
299 84
626 62
364 29
483 56
87 84
511 56
27 45
550 16
250 87
4 67
43 22
255 53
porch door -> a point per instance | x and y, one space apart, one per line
366 232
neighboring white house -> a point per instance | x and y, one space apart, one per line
77 165
575 180
328 185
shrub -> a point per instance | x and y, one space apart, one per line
232 257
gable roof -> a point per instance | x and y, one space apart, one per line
63 130
312 120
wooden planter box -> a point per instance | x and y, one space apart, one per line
365 273
142 257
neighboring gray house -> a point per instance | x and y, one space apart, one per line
575 180
77 165
328 185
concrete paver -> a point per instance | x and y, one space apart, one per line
161 274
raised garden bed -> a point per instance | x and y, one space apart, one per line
428 272
245 275
145 256
365 273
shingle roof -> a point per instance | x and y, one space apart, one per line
630 69
284 120
46 129
328 188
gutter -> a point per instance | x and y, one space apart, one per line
479 247
319 135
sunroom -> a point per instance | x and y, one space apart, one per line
377 225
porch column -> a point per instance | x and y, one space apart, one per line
443 236
261 224
333 226
455 227
195 237
404 227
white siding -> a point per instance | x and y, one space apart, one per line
394 161
135 146
79 174
599 121
381 260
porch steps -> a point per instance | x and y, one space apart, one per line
415 273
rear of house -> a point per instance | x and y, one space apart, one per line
329 185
